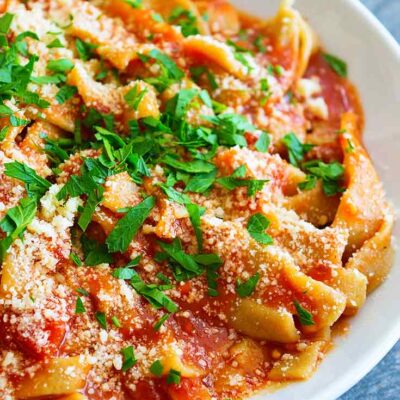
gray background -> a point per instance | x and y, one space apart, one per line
383 382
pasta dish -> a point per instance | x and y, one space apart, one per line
187 209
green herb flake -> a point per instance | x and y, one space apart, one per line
256 227
79 306
60 65
173 377
66 93
245 289
127 227
296 149
263 142
135 96
15 222
36 186
305 317
129 359
93 200
338 65
75 259
116 322
157 368
5 23
101 319
157 326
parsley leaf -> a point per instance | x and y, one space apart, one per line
153 294
127 227
305 317
245 289
296 149
5 23
95 253
235 180
157 368
101 319
200 183
92 202
331 175
85 50
190 167
168 63
128 355
15 222
126 272
256 227
230 128
173 377
338 65
135 96
60 65
195 212
263 142
185 19
66 93
36 186
79 306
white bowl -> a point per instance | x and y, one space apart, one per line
349 30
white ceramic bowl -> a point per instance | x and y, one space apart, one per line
348 29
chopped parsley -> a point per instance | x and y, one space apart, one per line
101 319
15 222
116 322
256 227
36 186
60 65
157 326
185 19
135 96
66 93
127 227
245 289
338 65
173 377
296 149
330 174
129 359
263 142
79 306
157 368
237 180
305 317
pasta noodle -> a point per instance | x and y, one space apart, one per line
186 208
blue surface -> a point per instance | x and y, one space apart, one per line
383 382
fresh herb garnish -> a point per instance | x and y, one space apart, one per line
305 317
15 222
79 306
101 319
129 358
157 368
245 289
338 65
127 227
36 186
173 377
256 227
296 149
330 174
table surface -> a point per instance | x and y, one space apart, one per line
383 382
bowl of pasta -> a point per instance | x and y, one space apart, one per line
196 199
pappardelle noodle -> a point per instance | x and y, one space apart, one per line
186 206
